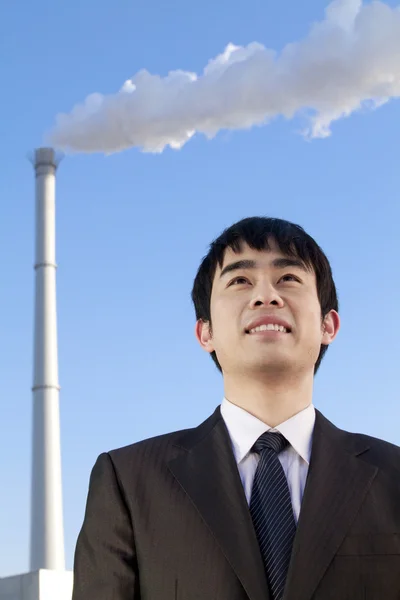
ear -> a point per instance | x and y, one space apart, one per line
203 335
330 327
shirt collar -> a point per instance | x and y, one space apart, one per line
244 429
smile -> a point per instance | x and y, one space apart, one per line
269 327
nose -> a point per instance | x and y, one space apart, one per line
266 295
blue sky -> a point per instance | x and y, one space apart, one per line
132 229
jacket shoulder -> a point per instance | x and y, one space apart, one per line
164 447
160 445
380 452
369 448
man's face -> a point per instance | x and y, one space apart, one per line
272 290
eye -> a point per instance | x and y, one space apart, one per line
292 276
238 279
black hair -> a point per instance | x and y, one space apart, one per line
291 239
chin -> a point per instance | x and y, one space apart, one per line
269 366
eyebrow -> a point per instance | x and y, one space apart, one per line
277 263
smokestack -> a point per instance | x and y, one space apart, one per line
47 535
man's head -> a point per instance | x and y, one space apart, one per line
287 278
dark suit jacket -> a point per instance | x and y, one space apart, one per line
167 519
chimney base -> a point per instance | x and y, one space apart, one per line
37 585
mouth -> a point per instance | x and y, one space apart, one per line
268 329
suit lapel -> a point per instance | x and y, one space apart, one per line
336 486
208 473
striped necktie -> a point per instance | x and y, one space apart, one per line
272 512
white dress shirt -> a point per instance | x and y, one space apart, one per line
244 429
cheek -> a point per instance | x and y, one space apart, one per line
311 311
222 327
224 322
310 326
311 336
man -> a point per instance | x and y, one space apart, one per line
266 499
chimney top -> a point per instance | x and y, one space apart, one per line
45 156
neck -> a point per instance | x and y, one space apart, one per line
273 402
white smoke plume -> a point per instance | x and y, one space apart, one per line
349 60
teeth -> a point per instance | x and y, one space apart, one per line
269 327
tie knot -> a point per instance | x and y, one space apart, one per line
276 441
